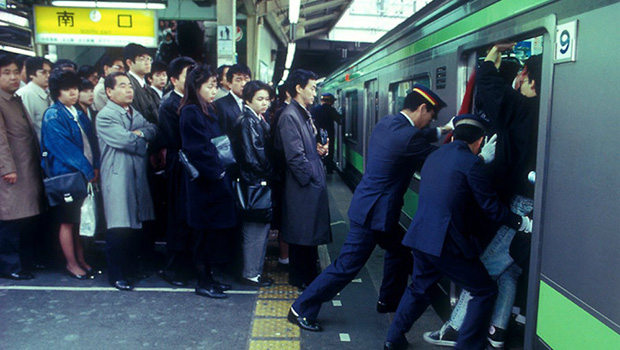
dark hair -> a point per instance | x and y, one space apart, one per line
85 84
33 64
6 60
65 63
238 68
413 100
509 69
194 80
86 71
20 60
220 73
131 51
110 80
177 65
468 133
299 77
108 60
156 67
252 87
62 80
534 67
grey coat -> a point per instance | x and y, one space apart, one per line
20 154
305 212
126 196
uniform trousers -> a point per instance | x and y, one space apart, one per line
468 273
15 243
354 254
122 247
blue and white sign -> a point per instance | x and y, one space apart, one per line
566 42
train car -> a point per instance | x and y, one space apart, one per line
572 300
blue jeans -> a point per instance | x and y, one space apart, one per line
498 262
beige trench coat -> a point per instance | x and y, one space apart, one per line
19 153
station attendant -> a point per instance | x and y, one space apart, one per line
444 234
399 144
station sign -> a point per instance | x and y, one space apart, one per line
94 26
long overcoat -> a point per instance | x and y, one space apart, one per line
305 212
19 153
126 196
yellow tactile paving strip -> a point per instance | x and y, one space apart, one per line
270 328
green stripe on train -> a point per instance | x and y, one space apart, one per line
488 16
563 325
355 159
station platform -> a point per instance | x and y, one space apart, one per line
54 311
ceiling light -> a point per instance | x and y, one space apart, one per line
293 11
290 54
111 4
17 50
14 19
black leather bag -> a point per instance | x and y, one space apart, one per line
254 201
224 150
64 188
189 167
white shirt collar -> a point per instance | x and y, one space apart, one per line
140 80
254 113
408 119
159 92
178 93
238 100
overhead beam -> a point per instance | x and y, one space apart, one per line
313 33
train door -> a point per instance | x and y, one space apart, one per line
338 135
371 113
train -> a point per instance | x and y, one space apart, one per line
573 283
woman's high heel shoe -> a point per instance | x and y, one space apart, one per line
92 272
79 277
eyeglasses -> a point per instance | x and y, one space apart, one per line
116 66
144 58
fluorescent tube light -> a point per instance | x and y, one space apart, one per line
290 54
14 19
293 11
110 4
17 50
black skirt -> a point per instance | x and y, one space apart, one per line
68 213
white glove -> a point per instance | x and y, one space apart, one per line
526 224
488 150
450 125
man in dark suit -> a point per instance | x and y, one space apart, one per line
145 99
230 107
325 115
399 144
455 194
178 234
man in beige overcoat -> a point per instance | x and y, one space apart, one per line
21 190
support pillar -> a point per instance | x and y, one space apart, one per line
226 32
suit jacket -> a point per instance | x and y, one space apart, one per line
36 101
170 135
227 111
305 209
126 196
145 101
209 201
396 150
454 191
19 153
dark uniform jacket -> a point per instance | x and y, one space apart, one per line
515 120
305 212
145 100
227 111
209 201
324 117
252 146
397 149
453 190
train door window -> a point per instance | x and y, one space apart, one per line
398 91
350 114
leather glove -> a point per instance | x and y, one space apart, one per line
526 224
488 150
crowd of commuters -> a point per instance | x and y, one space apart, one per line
219 160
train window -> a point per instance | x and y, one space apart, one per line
350 113
399 90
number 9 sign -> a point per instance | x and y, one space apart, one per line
566 42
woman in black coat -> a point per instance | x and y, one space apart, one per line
209 203
252 148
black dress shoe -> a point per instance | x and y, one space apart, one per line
122 285
221 286
303 322
79 277
395 346
92 271
177 283
19 276
210 291
262 282
384 308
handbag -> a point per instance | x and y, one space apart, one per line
224 150
88 213
64 188
189 167
254 201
